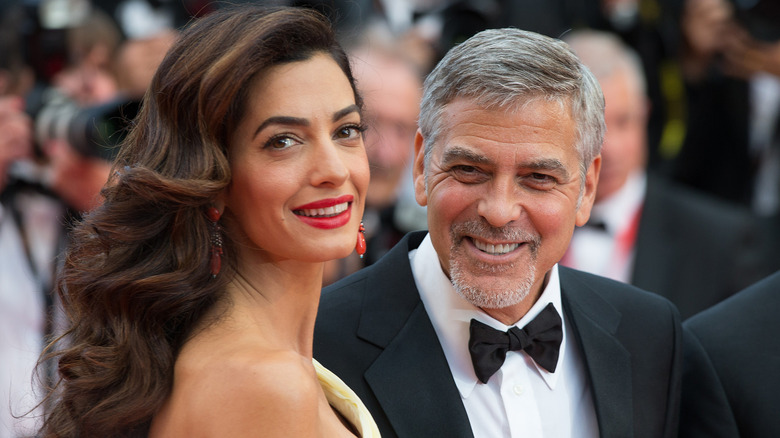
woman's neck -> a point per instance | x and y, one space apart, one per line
280 299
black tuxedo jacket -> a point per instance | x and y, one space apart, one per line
731 384
373 331
693 249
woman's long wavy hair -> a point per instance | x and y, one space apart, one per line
136 279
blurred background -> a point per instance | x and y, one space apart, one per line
73 74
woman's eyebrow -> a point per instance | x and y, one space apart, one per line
281 120
298 121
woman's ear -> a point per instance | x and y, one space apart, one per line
220 201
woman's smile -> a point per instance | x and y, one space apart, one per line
326 213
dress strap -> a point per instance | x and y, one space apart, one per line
342 398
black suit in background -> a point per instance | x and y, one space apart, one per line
715 157
695 249
373 331
731 386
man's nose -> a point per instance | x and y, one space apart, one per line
500 204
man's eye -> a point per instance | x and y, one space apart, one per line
540 181
468 174
464 169
541 177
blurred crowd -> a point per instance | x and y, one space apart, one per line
689 197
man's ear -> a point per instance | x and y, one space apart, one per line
418 170
589 192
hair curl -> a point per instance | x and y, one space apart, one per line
136 279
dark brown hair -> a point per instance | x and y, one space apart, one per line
136 279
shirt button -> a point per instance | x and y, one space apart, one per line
519 390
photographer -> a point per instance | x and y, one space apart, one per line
84 113
58 122
29 236
732 70
80 143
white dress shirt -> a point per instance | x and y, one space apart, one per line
765 141
23 308
21 332
521 399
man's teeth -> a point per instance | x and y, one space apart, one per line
324 212
495 249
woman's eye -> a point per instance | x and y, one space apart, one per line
279 142
349 131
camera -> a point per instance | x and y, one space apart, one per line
44 27
93 131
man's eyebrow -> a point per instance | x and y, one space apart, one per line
462 154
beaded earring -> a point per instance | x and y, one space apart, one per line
360 246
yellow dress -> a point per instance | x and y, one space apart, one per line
346 402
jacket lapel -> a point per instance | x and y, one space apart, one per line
595 322
410 378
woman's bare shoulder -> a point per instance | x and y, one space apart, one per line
233 392
254 375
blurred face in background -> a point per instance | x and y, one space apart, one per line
625 144
76 178
391 89
16 137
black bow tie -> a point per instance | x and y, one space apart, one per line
540 339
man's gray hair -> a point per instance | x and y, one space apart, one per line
506 69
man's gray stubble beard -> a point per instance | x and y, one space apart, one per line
478 296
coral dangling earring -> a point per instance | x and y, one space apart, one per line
215 263
360 246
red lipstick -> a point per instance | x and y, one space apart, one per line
326 213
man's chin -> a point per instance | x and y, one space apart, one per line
486 291
490 299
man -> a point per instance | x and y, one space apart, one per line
29 226
652 233
730 61
506 161
391 86
29 231
731 360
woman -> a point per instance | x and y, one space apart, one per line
192 291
